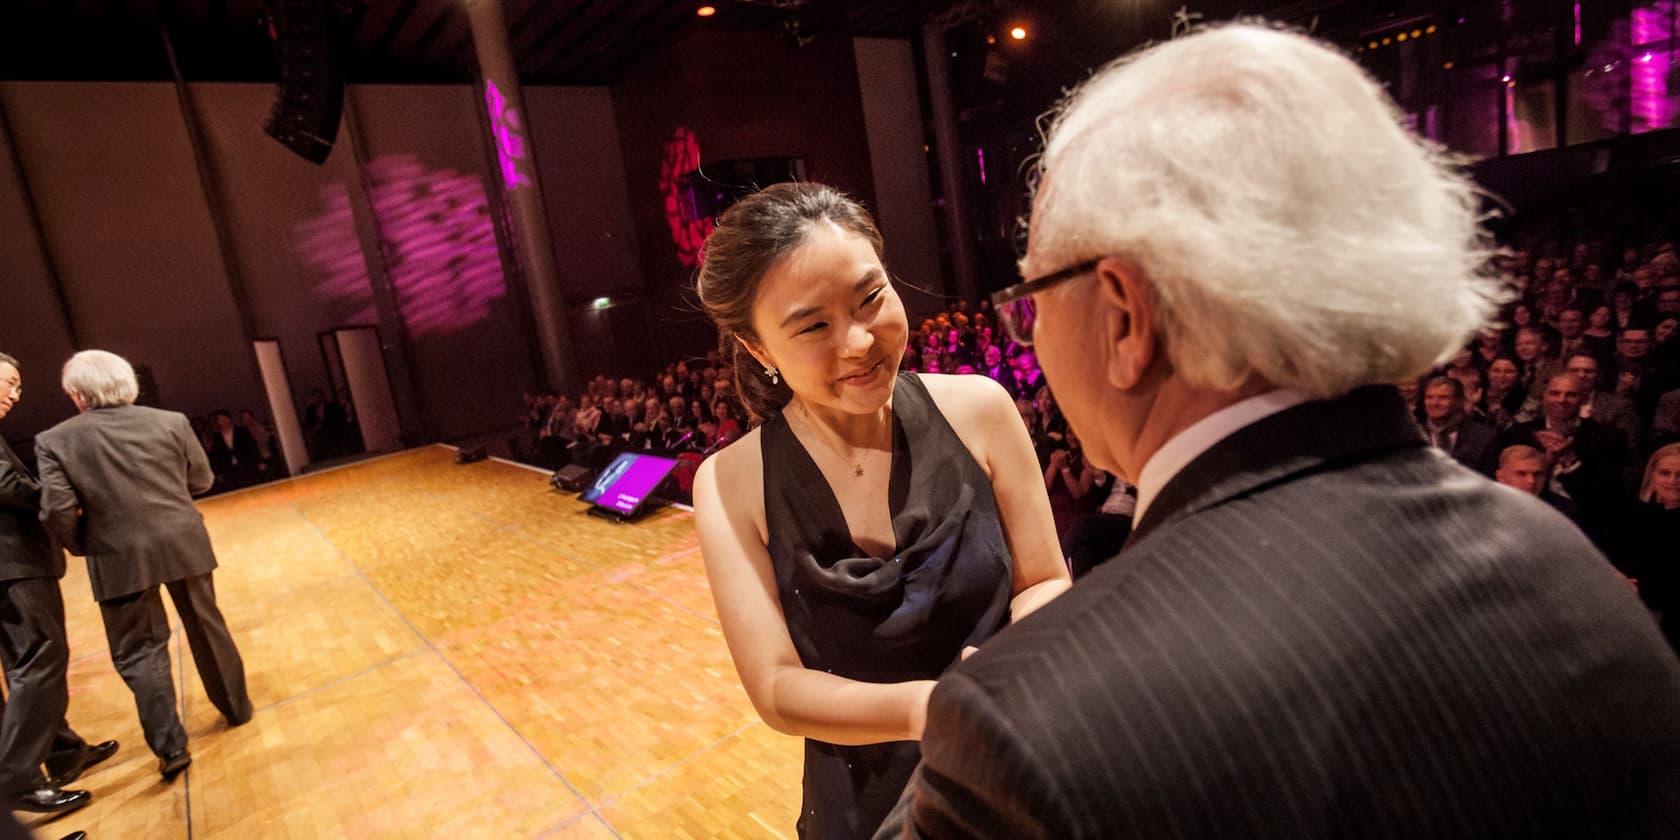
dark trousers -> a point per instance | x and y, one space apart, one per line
137 629
36 655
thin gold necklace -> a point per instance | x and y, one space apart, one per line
857 468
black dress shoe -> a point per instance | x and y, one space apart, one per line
88 757
173 765
75 835
51 800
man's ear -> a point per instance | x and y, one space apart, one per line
1128 321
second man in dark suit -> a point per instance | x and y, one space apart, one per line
117 486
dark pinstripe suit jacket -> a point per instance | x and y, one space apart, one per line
1321 628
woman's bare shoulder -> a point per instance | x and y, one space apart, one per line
738 465
731 482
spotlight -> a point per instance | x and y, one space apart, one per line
1446 65
1417 33
1431 29
1019 33
706 11
1401 37
1387 41
1372 45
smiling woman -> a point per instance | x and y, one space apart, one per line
876 524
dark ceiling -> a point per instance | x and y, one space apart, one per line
555 41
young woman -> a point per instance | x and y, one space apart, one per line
1503 397
728 428
1650 536
876 524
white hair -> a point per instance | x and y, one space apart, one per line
100 379
1289 227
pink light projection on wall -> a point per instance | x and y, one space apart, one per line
688 229
509 131
438 244
1654 105
1631 68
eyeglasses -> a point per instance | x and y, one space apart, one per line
1015 306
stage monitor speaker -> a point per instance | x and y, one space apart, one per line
310 41
471 456
572 479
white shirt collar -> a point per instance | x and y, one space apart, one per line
1182 448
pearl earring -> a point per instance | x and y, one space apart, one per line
773 374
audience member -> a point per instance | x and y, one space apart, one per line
1470 442
1584 457
234 457
1606 407
1650 541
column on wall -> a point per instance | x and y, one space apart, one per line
522 194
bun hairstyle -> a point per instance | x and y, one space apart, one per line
749 239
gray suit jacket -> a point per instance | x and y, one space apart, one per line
117 485
1618 412
1321 628
26 549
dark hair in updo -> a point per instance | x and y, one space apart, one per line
750 238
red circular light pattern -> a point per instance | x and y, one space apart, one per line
688 231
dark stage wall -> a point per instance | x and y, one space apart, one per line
800 102
130 228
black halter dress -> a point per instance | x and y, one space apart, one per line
893 619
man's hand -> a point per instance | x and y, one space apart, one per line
1554 443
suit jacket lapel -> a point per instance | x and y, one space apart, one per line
6 451
1297 440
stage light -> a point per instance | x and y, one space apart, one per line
991 39
1417 33
1447 65
1372 45
706 11
1431 29
1019 33
601 303
1505 79
1646 59
1401 37
1387 41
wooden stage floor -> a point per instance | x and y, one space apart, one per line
444 651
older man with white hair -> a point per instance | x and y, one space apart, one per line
117 483
1321 626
